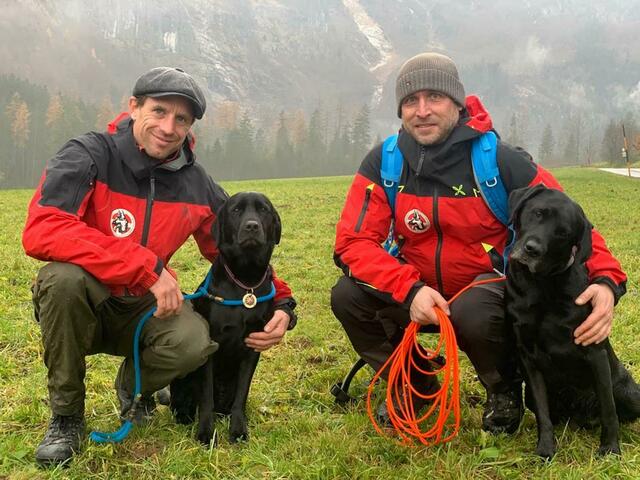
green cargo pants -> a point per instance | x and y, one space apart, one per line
79 317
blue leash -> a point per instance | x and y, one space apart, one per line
127 425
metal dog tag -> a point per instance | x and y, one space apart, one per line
249 300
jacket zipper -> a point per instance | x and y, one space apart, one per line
149 208
365 205
436 224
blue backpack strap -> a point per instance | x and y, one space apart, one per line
391 168
484 151
390 173
484 158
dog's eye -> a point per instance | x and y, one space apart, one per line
236 210
538 213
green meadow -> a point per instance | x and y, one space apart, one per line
296 430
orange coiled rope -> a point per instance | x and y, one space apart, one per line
401 391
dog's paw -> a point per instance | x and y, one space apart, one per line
236 437
611 449
183 418
207 435
546 449
238 430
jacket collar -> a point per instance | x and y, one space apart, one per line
137 160
474 121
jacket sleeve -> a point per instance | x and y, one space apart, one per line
204 240
55 230
363 226
518 170
284 299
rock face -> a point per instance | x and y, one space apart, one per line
544 58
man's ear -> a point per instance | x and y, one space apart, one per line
584 239
133 107
517 199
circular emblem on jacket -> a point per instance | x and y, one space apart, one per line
416 221
122 222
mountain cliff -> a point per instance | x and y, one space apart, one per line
536 62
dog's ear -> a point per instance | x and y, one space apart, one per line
584 238
277 224
275 230
216 228
517 199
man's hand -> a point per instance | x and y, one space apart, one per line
168 295
421 309
272 334
597 326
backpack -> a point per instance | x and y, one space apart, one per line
486 174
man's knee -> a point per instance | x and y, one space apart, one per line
65 287
58 278
478 316
188 346
343 296
64 299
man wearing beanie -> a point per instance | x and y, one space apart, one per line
448 237
110 211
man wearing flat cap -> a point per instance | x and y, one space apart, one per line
447 237
110 211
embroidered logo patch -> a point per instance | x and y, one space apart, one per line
122 222
416 221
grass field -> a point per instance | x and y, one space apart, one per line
296 430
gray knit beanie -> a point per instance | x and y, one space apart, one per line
429 71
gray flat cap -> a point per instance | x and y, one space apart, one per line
165 81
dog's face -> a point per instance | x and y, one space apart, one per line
552 231
247 220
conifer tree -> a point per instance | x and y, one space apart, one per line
545 153
283 152
361 135
611 147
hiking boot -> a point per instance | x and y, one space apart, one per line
429 384
143 411
61 441
163 396
503 411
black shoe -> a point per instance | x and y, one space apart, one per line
144 408
61 441
503 411
427 386
163 396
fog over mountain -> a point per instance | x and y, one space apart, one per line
538 62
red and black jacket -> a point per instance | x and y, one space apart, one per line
447 233
106 206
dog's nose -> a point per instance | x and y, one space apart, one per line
252 226
533 248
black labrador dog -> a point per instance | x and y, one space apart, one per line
546 273
246 231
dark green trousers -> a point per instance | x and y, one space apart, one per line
79 317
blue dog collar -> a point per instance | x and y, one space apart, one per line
247 301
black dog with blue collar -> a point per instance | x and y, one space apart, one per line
239 301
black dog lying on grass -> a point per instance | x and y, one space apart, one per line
546 273
246 231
